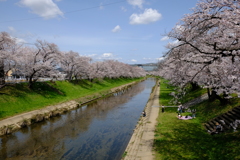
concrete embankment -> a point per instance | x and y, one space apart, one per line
140 146
14 123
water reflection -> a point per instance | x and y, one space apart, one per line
97 131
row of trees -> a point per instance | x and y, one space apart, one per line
207 52
43 59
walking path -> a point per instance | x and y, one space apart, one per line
140 146
196 101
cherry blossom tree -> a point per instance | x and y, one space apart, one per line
98 70
40 61
82 68
208 48
74 65
211 31
68 63
114 69
6 43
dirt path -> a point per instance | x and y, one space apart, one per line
196 101
140 146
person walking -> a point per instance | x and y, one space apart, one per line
162 108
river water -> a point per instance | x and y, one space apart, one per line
97 131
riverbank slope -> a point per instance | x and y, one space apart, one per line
19 98
16 122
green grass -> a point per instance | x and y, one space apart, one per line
19 98
166 98
124 154
187 139
165 90
208 110
193 94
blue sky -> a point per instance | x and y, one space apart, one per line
130 31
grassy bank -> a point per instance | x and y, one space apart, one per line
166 98
18 98
187 139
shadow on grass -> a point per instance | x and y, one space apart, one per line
16 90
47 90
82 83
109 80
211 110
100 82
22 90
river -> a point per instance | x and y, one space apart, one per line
99 130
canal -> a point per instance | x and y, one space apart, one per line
99 130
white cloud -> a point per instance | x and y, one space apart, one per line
101 6
138 3
116 29
147 58
92 55
14 32
179 29
107 55
18 40
165 38
12 29
173 44
133 60
44 8
159 59
123 9
150 15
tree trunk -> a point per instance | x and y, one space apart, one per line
194 85
76 79
224 100
31 80
214 96
2 74
209 94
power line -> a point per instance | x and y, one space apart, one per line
96 7
79 10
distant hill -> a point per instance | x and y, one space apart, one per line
147 66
